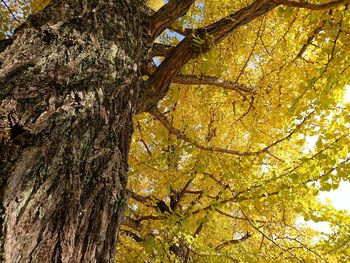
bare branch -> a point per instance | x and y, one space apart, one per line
236 217
269 238
233 241
180 135
307 5
167 14
208 80
180 195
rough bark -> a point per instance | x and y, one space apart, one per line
69 86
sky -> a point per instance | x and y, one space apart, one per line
339 198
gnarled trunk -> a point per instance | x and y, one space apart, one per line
69 84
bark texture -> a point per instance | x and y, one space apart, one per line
69 84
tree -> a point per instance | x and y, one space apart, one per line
218 166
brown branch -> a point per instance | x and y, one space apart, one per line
161 50
307 5
233 241
143 142
310 39
180 135
208 80
198 192
140 198
182 31
251 52
237 217
167 14
156 87
131 223
270 239
150 217
180 195
220 29
133 235
150 201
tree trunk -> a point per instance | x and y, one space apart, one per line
69 83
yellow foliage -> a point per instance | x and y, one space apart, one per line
38 5
155 4
247 167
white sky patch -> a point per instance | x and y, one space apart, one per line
319 226
310 143
340 198
346 97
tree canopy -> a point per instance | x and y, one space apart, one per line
223 169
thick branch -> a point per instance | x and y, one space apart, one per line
167 15
220 29
208 80
161 50
307 5
140 198
158 84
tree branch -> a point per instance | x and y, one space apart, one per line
202 40
140 198
217 31
178 197
161 50
307 5
167 14
233 241
157 85
269 238
208 80
310 39
236 217
133 235
180 135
